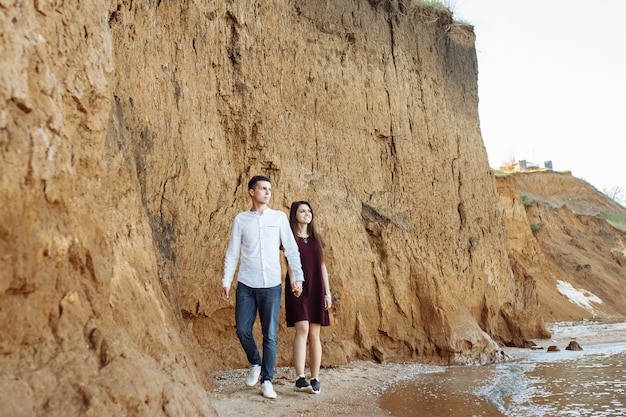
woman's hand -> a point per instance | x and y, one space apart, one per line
296 288
328 302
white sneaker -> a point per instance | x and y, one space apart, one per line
268 389
253 375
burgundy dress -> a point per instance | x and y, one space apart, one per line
310 305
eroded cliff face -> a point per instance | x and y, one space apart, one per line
559 236
128 132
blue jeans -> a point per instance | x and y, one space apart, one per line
267 302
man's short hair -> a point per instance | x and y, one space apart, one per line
256 179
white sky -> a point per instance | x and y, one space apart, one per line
552 83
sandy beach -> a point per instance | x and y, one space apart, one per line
348 390
354 389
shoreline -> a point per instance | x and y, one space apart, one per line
586 332
346 390
354 389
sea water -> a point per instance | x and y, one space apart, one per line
591 382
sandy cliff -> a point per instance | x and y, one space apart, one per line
128 131
559 238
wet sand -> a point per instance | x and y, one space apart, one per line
355 389
443 394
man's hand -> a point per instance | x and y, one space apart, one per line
226 294
296 288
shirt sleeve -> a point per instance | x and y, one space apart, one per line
291 248
232 254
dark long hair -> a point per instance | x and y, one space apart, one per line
293 222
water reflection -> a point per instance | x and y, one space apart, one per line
591 382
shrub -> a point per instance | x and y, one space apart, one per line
526 199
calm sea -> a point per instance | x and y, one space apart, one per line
591 382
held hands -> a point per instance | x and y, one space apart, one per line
296 288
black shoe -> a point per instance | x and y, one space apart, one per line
315 385
303 386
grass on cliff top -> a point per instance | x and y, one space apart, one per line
446 6
615 220
499 173
439 5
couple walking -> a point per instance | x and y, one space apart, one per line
257 236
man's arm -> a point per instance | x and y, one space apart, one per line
296 287
291 249
231 259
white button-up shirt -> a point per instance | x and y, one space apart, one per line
258 238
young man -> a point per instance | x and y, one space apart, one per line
257 236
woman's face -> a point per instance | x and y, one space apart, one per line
304 215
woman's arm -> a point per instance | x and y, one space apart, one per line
328 298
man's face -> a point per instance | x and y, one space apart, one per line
262 192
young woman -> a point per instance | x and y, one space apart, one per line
307 311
